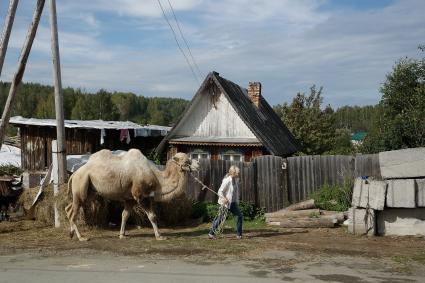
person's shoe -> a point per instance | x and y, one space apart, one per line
211 237
239 237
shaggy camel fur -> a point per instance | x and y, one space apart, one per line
130 178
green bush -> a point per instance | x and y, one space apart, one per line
208 211
251 212
336 198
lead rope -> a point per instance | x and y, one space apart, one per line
222 210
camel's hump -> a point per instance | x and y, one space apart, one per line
106 154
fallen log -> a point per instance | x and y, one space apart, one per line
333 214
307 222
308 204
293 213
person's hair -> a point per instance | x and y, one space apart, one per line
233 170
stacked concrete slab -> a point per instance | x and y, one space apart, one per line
368 196
397 203
362 221
404 163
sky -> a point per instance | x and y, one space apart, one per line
348 47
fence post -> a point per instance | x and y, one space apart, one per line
55 176
285 182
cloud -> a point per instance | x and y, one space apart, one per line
132 8
125 45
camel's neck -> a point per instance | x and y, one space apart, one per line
171 181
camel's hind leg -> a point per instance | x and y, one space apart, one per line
79 195
146 205
128 206
75 208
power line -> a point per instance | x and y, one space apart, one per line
177 42
184 39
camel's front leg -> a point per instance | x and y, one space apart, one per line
146 206
125 215
152 218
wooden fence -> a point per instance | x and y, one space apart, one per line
273 182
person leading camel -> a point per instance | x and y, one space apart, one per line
229 197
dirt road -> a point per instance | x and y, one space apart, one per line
31 254
80 266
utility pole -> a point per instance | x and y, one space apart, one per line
60 124
17 78
8 23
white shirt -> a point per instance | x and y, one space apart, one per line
227 189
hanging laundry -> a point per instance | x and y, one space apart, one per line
124 134
102 136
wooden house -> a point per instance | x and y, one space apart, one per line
228 122
82 137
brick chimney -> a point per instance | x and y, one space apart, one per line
254 92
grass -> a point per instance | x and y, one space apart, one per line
246 224
335 198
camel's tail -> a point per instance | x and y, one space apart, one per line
69 185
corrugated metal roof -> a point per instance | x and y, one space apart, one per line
86 124
262 121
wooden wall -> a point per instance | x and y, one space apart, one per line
273 182
212 173
213 116
36 154
306 174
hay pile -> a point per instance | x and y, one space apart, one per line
176 212
97 211
94 212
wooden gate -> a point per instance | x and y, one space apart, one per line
271 180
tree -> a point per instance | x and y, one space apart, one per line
311 126
126 104
82 109
402 124
46 109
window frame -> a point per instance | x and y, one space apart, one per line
232 153
200 152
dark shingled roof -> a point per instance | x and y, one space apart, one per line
262 120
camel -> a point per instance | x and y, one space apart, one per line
131 178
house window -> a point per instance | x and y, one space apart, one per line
232 155
199 154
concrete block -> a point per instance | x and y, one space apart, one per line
362 221
420 194
369 194
404 163
401 221
377 194
401 193
359 185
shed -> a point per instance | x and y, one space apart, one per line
82 137
226 121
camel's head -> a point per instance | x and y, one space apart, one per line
185 163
